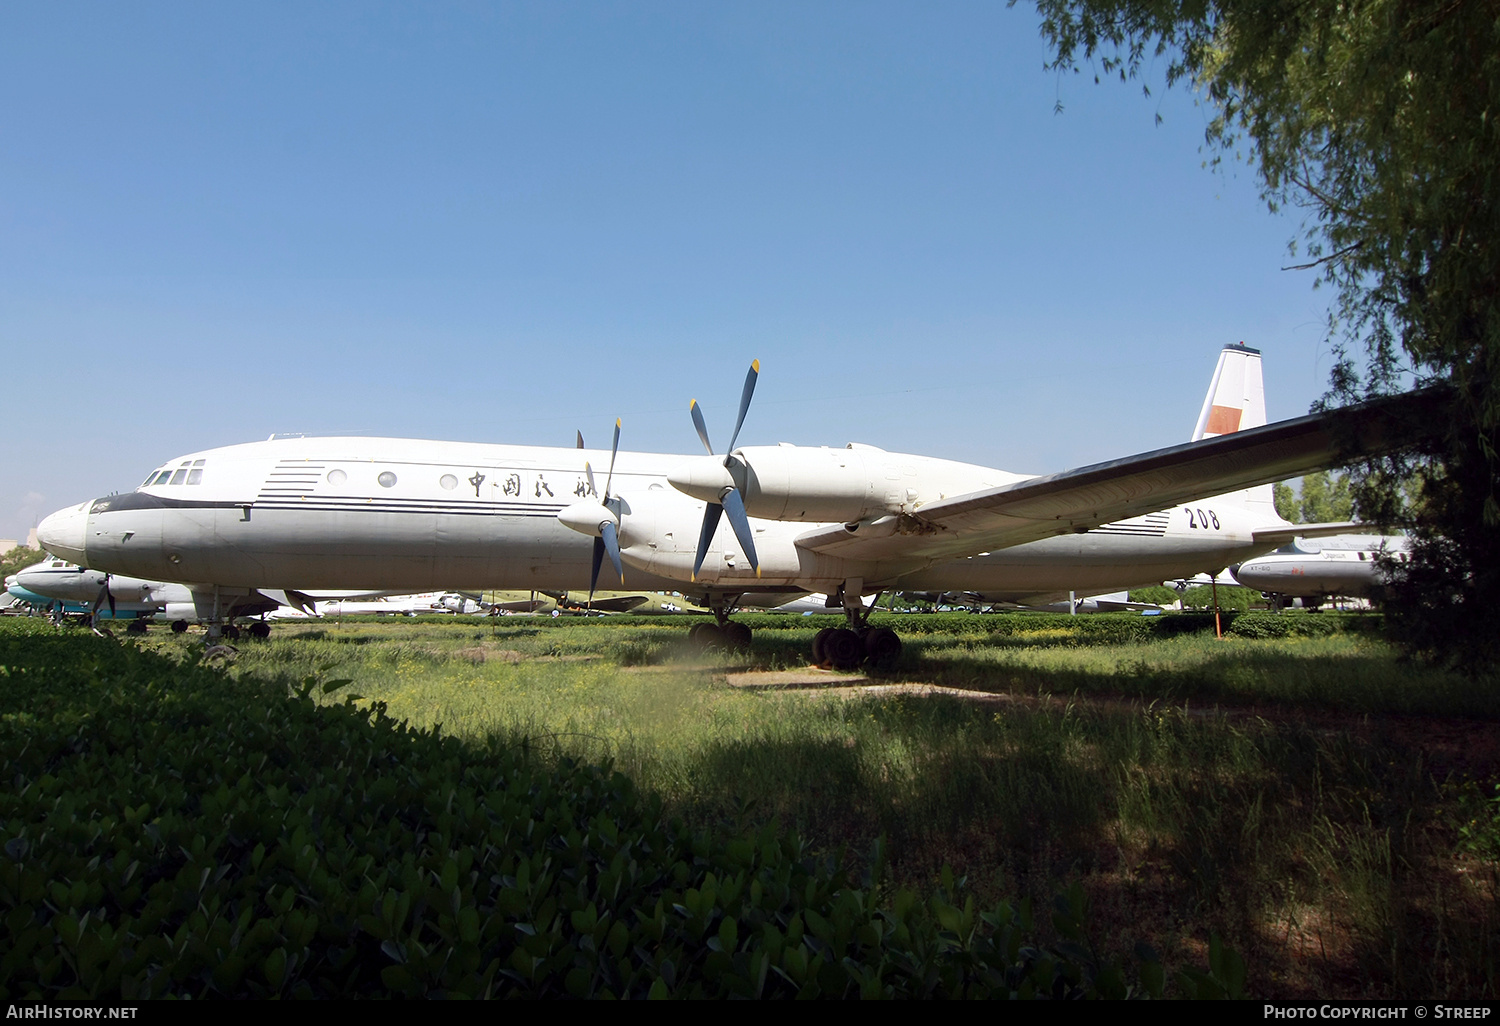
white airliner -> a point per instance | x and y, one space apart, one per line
412 515
72 584
1314 571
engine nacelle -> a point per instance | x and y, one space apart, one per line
824 485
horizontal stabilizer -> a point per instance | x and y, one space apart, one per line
1282 535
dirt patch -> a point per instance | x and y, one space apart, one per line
479 655
805 677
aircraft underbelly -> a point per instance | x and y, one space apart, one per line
1082 562
378 550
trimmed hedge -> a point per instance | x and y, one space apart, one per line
168 831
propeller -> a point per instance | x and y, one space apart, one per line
608 540
730 501
105 595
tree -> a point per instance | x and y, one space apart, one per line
1286 502
1324 498
19 558
1380 119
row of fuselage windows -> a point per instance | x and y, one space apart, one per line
188 472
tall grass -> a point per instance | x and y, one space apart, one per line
1278 792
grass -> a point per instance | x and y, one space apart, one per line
1310 799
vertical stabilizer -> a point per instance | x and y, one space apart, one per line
1236 401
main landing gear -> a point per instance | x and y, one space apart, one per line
723 632
844 648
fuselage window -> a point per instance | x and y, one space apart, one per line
178 477
387 479
448 481
1361 556
336 476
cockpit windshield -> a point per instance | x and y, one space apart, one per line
187 472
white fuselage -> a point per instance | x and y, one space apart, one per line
1341 565
412 515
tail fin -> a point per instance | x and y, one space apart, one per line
1236 401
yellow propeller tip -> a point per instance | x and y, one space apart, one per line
692 403
617 422
755 366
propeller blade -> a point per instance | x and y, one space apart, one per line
735 507
612 546
613 450
710 521
698 423
588 472
598 562
580 439
744 403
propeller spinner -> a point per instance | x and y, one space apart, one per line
729 500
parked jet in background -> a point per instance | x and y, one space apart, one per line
409 515
78 590
1314 571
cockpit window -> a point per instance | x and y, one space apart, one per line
178 477
164 477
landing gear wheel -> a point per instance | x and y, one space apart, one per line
136 627
734 636
819 655
178 626
260 629
882 646
705 635
231 632
843 649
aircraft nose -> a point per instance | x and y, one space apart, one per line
65 532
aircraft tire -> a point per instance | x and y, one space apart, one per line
179 626
735 636
231 632
882 646
260 629
843 649
704 635
136 626
819 656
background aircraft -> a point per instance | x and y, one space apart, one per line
1312 571
409 514
77 590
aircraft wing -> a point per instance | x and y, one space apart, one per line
1078 500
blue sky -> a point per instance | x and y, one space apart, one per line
508 222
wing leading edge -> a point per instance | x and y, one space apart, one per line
1078 500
